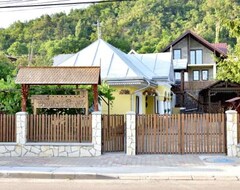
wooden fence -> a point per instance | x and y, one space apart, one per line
181 134
238 129
7 128
59 128
113 133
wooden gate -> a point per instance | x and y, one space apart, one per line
181 134
113 133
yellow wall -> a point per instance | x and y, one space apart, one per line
123 103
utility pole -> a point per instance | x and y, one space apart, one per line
99 29
30 54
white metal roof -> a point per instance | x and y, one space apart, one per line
116 64
61 58
159 63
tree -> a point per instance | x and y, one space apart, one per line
228 69
10 96
17 49
5 67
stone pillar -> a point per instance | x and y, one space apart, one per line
97 132
231 132
161 107
21 120
131 133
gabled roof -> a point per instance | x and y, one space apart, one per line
198 38
58 75
114 63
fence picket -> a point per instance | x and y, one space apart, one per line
7 128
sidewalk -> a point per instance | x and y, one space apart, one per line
120 166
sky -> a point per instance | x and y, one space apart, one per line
10 15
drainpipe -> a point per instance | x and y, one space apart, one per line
148 84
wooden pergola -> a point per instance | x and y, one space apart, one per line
58 76
214 97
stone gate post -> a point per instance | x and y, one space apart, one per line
131 133
97 132
21 121
231 132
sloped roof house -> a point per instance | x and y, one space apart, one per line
142 82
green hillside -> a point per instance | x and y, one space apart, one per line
142 25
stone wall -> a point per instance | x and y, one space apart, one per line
22 148
48 150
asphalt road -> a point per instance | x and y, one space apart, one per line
48 184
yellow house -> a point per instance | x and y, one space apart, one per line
142 82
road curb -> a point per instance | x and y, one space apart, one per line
74 176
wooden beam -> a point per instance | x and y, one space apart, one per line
182 88
24 97
95 96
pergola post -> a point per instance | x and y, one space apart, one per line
25 88
182 88
95 96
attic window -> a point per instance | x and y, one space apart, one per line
177 54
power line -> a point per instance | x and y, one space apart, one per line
59 4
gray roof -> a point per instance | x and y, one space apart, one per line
118 65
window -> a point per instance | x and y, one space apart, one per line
177 76
196 57
177 54
196 75
204 74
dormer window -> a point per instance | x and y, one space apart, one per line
177 54
196 56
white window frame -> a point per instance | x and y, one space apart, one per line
198 75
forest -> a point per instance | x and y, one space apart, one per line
143 25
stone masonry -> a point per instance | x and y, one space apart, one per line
23 148
231 132
131 133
